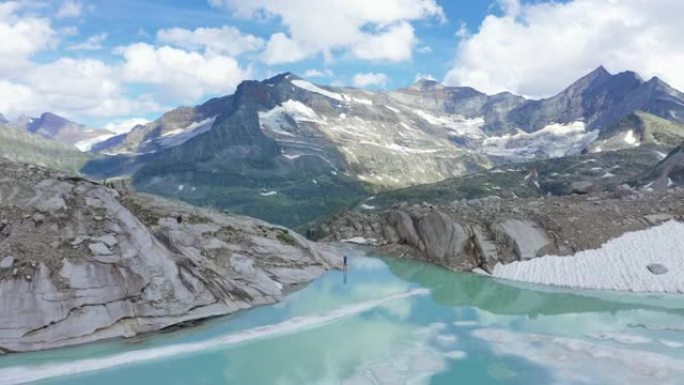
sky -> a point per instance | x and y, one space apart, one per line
116 63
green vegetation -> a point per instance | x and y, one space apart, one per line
285 237
20 146
298 199
555 176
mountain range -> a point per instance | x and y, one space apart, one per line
54 127
290 151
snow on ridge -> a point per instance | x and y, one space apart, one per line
268 193
619 264
303 84
630 138
555 140
87 144
457 124
276 120
181 135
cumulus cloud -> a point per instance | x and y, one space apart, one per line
70 8
22 36
124 126
282 49
537 49
316 73
225 40
179 73
370 79
373 30
81 87
187 66
92 43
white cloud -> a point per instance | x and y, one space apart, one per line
225 40
124 126
22 36
16 99
372 30
424 49
537 49
394 44
370 79
282 49
420 76
92 43
73 87
179 73
315 73
70 8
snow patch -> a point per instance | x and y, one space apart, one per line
277 120
181 135
554 140
268 193
456 124
630 138
620 264
303 84
87 144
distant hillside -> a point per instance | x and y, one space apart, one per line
21 146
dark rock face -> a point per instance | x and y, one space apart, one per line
669 172
601 100
171 129
482 233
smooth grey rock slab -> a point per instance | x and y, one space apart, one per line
657 268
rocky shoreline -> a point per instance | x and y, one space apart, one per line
81 262
479 235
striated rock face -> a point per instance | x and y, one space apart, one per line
467 235
80 262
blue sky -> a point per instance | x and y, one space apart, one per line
106 62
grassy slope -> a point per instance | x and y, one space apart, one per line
298 199
21 146
555 176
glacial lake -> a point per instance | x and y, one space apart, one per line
396 322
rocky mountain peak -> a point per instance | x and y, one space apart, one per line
50 124
425 84
2 119
283 77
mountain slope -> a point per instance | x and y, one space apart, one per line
171 129
59 129
289 151
21 146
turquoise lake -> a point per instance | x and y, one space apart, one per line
396 322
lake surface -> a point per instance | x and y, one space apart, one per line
396 322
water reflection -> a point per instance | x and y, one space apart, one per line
469 329
508 298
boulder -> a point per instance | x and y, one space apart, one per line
524 236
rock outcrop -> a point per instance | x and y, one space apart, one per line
81 262
669 172
480 234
